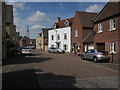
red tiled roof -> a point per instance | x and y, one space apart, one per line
61 24
110 9
86 18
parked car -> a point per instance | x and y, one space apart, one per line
19 49
55 50
31 47
96 55
26 50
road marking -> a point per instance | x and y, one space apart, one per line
38 78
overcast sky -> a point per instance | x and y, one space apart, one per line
39 15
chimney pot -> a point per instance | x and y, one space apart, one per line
58 19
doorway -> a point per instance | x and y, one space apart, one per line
101 46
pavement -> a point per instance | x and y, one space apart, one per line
45 70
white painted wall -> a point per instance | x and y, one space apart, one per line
63 41
90 46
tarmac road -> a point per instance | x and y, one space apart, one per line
44 70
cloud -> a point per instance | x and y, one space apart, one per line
35 30
15 12
94 8
18 5
22 30
38 17
36 27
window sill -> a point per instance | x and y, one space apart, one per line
99 32
113 29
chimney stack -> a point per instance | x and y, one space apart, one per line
58 19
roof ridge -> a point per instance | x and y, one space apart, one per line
87 35
101 10
87 12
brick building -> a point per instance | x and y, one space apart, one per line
107 28
81 27
3 30
39 42
27 42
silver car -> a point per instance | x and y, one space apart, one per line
26 50
55 50
96 55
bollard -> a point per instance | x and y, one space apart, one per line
112 57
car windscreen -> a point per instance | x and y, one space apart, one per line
53 48
25 48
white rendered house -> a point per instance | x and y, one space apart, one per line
60 38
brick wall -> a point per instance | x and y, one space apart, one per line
108 36
77 26
82 32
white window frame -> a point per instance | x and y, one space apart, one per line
52 38
112 25
58 35
100 28
76 33
64 36
112 47
66 23
66 47
54 26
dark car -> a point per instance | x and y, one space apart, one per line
19 49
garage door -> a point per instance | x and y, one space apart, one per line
90 46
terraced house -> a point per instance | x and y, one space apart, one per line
82 32
60 36
107 28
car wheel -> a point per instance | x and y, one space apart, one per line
82 57
95 59
58 52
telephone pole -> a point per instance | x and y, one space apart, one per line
27 31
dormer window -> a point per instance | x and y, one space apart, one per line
54 26
66 23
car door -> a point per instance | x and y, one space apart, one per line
88 54
54 50
91 54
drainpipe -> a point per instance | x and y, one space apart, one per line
112 57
